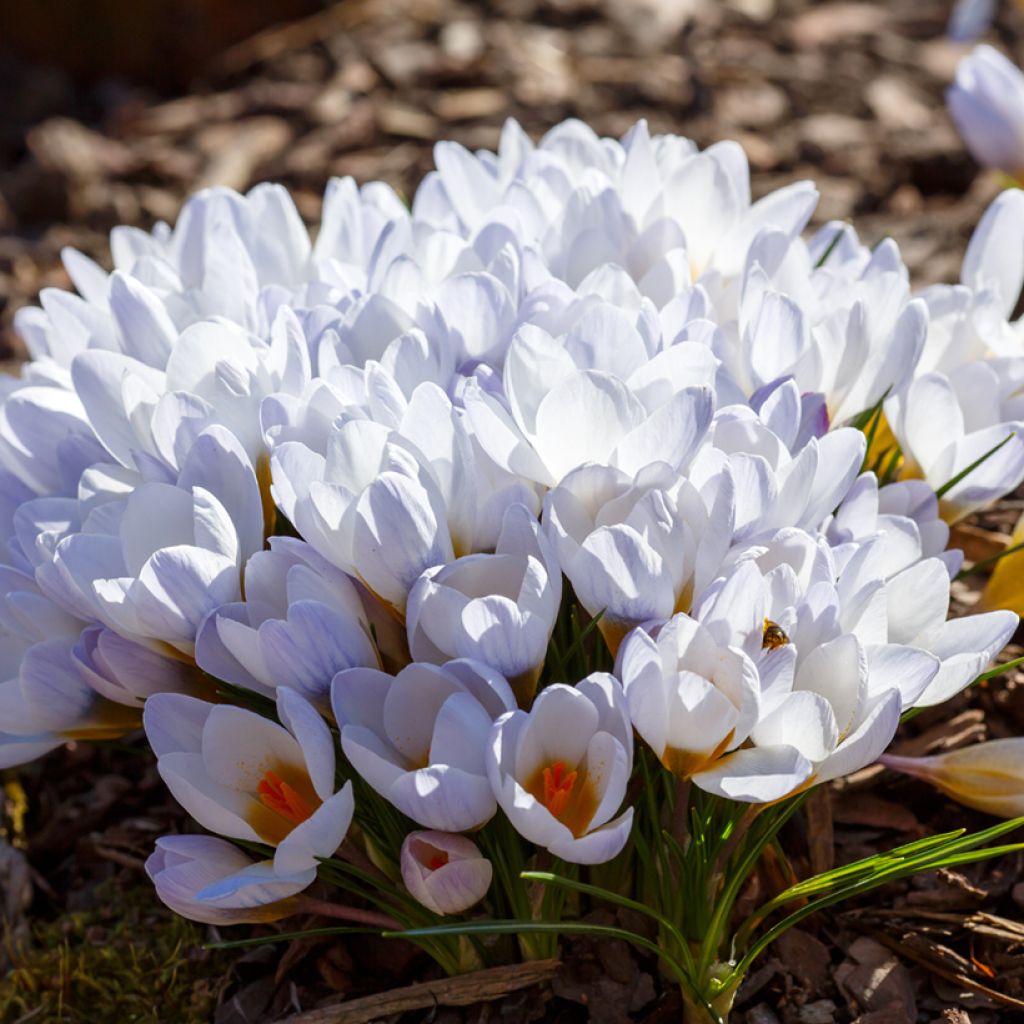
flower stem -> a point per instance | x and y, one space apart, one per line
310 905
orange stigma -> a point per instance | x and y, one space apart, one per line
558 786
438 860
281 798
569 797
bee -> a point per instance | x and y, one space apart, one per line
774 636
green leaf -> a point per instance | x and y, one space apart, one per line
986 563
954 849
828 251
290 936
612 897
949 484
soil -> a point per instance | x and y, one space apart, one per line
849 94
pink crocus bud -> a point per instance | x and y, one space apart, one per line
987 776
444 871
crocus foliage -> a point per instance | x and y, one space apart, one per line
585 503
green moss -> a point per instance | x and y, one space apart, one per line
128 961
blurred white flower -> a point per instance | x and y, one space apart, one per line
970 19
986 101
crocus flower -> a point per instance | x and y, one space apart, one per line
445 872
302 622
987 103
46 698
559 411
418 737
977 456
211 880
497 609
246 777
374 506
903 515
986 776
48 701
635 549
691 700
153 564
129 673
560 770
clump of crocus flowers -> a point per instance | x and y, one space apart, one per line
478 544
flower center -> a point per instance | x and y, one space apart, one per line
283 799
568 795
558 786
437 860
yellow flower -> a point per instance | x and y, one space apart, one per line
988 776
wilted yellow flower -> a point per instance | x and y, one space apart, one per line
988 776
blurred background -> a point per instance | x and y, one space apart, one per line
111 111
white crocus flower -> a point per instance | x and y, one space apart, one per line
46 439
129 673
829 704
690 699
418 737
302 622
904 516
223 251
560 770
555 416
153 564
636 549
970 321
653 206
976 457
774 486
211 880
385 501
45 697
847 330
986 102
498 608
245 777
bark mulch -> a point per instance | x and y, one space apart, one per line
848 94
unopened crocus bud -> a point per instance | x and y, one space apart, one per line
210 880
444 871
988 776
986 102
